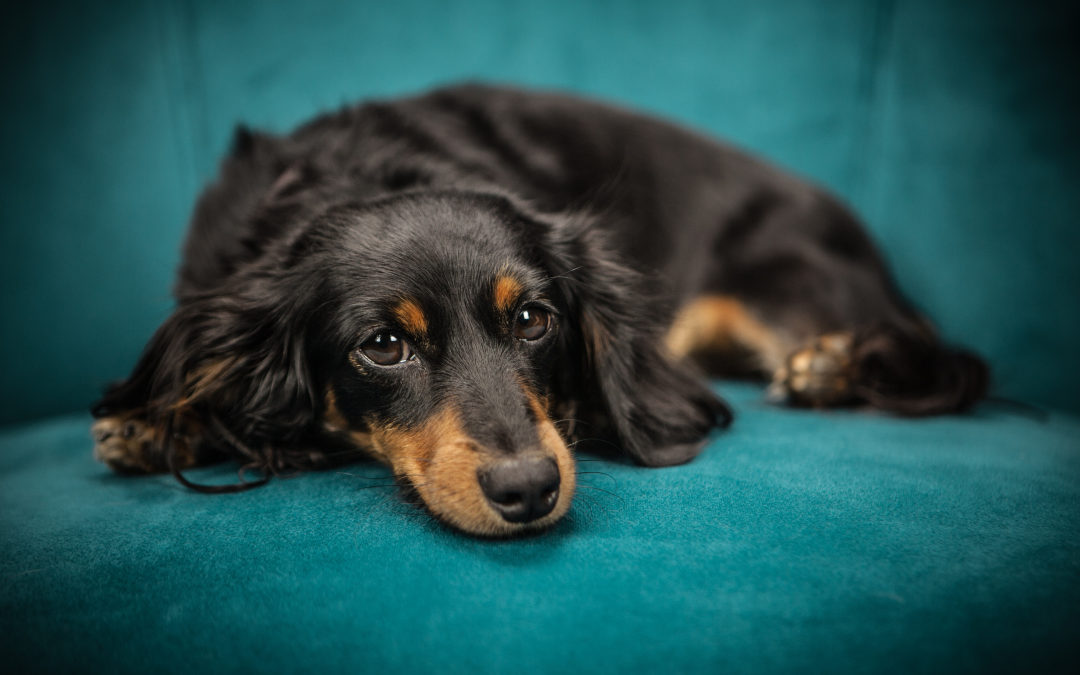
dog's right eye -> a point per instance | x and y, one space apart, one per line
531 324
386 349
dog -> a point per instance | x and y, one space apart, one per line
467 283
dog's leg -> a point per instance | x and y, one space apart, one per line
900 368
721 335
724 337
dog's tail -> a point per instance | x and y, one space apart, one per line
912 373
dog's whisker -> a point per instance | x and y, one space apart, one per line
592 440
384 477
600 473
593 487
590 502
588 506
569 271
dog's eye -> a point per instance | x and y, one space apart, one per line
531 324
386 349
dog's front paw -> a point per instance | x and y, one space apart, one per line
129 444
819 375
126 445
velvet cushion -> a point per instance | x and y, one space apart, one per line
798 542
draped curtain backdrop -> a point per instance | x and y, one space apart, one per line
951 127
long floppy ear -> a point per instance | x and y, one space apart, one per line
230 369
660 411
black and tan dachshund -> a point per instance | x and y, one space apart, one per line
467 283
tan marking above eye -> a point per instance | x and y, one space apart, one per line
411 317
506 293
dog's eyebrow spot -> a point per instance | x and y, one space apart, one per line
506 292
411 316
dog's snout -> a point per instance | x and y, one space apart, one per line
521 489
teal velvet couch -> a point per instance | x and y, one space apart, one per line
799 541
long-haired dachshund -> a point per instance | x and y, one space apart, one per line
464 283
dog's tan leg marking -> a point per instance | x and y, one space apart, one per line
129 444
411 317
819 375
714 325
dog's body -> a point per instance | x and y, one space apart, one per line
462 283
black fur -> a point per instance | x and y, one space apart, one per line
613 220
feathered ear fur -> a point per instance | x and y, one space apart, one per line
228 367
659 410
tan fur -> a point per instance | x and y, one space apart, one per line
204 380
506 293
441 461
333 420
126 443
411 317
820 375
597 336
130 443
717 324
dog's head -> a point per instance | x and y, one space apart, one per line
459 337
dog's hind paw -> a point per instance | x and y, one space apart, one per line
819 375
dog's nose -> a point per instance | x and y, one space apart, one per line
522 489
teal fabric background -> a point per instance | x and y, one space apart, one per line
799 542
950 126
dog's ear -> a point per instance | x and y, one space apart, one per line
659 410
233 364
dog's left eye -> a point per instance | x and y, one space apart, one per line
386 349
531 324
